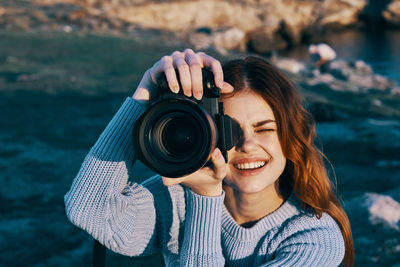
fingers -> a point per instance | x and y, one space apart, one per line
188 65
195 73
166 65
215 65
184 72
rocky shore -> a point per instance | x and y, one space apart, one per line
247 25
67 65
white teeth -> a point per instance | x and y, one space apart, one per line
249 166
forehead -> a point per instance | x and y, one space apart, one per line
248 107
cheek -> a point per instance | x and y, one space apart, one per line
271 144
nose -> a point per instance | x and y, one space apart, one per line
247 143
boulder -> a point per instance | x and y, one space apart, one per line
383 209
200 40
263 40
378 209
190 15
267 25
361 75
338 14
277 23
288 64
22 22
229 39
2 11
361 81
362 68
291 18
392 13
222 39
40 16
77 15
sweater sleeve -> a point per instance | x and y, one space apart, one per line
321 245
118 215
202 236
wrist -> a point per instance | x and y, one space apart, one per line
144 103
214 191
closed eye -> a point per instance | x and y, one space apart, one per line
265 130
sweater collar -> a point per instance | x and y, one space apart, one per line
288 209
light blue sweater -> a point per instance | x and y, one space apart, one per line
189 229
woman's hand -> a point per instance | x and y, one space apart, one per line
207 181
189 65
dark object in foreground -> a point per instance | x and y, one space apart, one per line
177 134
99 254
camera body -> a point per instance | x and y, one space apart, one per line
177 134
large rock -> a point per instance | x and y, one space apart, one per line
341 13
392 13
379 209
361 75
288 18
383 209
288 64
221 39
263 40
189 15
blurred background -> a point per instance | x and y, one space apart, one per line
67 65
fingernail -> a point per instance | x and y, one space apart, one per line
197 95
175 89
221 85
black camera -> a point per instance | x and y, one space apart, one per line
177 134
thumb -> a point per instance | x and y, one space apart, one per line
227 88
219 165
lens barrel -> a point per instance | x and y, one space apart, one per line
175 137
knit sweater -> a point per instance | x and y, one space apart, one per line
189 229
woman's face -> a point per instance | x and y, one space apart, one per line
258 161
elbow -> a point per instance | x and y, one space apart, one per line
75 211
71 209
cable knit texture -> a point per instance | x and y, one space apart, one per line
189 229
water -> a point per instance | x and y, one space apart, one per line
379 49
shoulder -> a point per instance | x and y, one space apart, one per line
306 221
305 234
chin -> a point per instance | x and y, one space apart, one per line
248 187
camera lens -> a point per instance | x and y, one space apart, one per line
179 135
175 137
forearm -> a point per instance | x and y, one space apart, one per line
96 201
202 237
105 169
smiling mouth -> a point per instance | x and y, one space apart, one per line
250 165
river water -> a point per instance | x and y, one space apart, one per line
380 49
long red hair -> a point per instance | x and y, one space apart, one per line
305 173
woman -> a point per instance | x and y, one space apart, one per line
270 205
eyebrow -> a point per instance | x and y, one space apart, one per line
260 123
